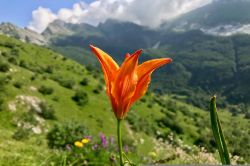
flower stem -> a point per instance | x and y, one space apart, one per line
119 137
218 134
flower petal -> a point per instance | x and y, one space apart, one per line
109 66
125 82
144 72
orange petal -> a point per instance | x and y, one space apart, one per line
109 66
125 82
144 72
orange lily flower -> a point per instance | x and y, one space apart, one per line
128 83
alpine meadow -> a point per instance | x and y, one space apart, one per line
109 89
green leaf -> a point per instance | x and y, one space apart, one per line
217 132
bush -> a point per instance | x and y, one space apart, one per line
49 69
45 90
84 81
98 89
28 117
170 123
21 134
247 115
13 60
1 103
47 112
23 64
3 81
33 77
4 67
80 97
18 85
65 134
66 83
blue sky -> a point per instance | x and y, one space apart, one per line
19 12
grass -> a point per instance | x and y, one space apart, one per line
185 121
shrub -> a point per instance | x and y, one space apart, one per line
4 67
65 83
247 115
98 89
13 60
3 81
45 90
84 81
64 58
23 64
18 85
21 134
80 97
65 134
33 77
47 112
49 69
170 123
90 68
1 103
28 117
5 54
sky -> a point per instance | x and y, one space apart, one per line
37 14
19 12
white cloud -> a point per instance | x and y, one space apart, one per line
227 30
147 12
41 18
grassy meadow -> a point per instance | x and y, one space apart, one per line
47 102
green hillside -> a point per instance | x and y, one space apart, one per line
40 88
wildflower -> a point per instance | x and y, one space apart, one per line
128 83
125 84
104 140
85 140
78 144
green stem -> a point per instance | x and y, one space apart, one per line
119 137
226 153
218 134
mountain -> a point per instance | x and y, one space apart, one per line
224 60
22 34
221 17
113 35
60 28
203 63
42 91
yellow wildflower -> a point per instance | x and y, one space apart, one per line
78 144
85 140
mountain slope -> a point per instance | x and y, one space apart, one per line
194 54
222 17
30 75
25 35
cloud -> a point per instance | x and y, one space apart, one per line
227 30
147 12
41 19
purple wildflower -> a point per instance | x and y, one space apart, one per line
104 140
